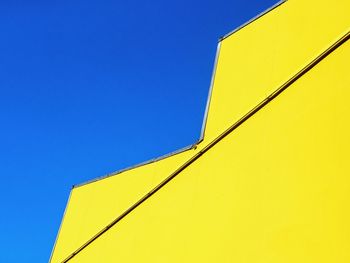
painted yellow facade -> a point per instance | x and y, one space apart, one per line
270 179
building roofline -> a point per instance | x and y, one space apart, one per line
204 123
252 20
186 148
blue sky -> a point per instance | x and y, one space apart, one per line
90 87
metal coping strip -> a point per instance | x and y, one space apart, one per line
59 229
253 19
233 127
186 148
204 123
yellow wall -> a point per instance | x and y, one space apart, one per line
92 206
257 59
276 189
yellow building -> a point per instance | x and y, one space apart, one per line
269 181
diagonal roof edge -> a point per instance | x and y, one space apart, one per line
252 20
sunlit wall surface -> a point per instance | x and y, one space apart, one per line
269 181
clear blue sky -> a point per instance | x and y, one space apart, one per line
90 87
